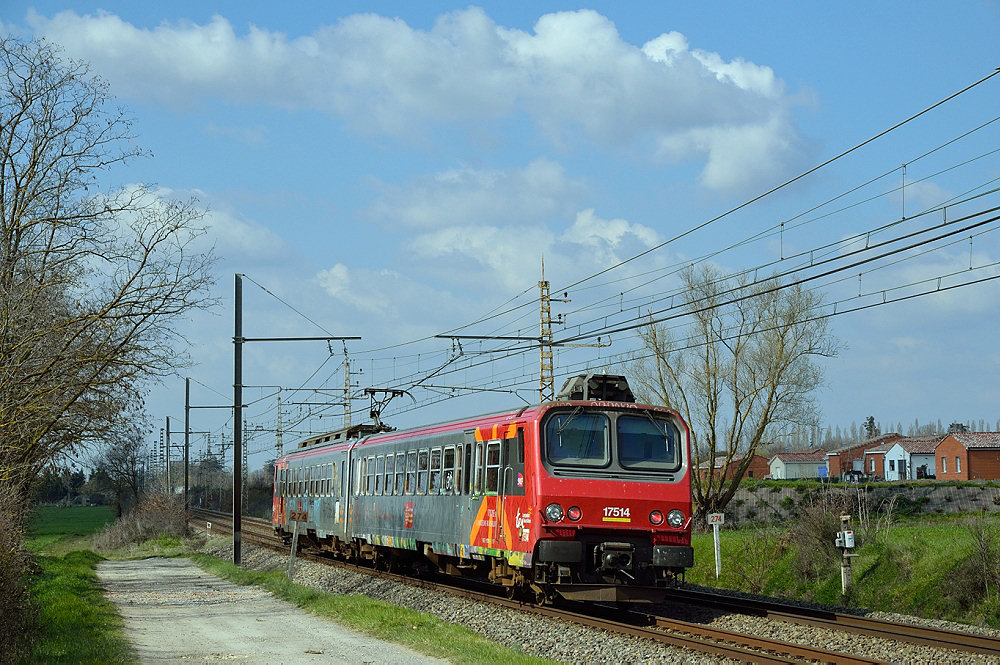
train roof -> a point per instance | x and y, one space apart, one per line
608 391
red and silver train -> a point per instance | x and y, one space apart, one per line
587 497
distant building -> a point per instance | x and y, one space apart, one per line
808 464
758 467
968 456
850 459
911 458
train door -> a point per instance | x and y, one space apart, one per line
511 479
280 492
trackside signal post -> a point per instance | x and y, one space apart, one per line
845 541
717 519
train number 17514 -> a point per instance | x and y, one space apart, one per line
616 511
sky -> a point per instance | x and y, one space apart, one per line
398 171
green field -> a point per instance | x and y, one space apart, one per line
55 527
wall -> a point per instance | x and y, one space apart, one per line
949 448
769 503
984 464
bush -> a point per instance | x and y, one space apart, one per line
17 615
788 503
977 576
158 515
815 533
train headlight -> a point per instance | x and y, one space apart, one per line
553 512
574 514
675 518
656 518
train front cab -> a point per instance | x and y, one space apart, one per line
615 502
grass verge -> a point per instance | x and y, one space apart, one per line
76 623
419 631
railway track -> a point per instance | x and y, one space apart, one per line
689 635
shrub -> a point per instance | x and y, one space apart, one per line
977 576
815 533
788 503
17 615
158 515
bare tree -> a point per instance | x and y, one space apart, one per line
742 375
122 459
92 283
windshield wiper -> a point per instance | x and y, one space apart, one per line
659 424
572 415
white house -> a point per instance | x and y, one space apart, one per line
911 458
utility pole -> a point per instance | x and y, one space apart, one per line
546 368
546 371
169 490
238 341
237 420
187 436
347 389
278 443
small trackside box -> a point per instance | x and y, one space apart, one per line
673 556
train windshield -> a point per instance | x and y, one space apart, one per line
578 439
637 441
647 443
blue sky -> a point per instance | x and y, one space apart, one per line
398 170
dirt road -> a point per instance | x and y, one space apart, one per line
176 612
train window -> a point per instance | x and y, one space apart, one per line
400 473
342 486
357 477
379 473
448 469
422 472
573 438
411 472
467 466
332 476
370 475
647 443
312 481
435 486
478 485
389 463
493 466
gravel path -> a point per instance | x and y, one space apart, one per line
174 612
569 643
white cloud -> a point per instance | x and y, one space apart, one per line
242 240
360 289
589 229
539 191
573 74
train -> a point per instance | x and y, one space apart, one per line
586 497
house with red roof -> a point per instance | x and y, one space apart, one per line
801 464
850 459
875 459
968 456
911 458
758 467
